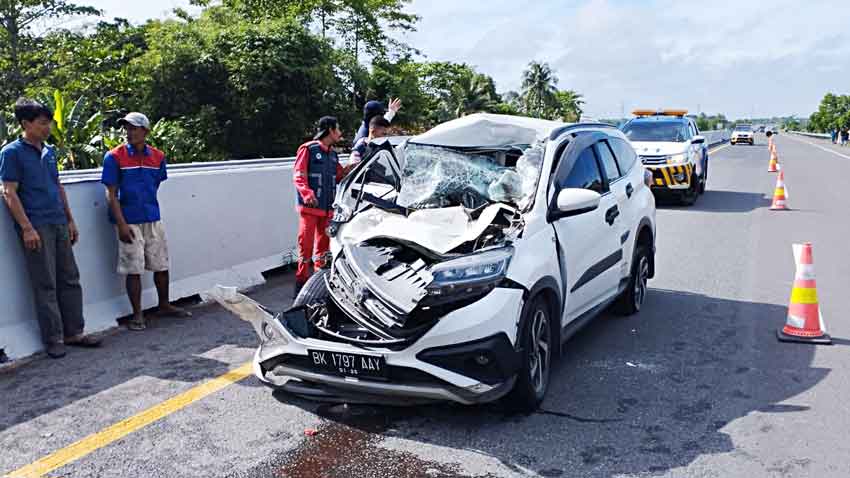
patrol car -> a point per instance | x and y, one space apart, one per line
671 147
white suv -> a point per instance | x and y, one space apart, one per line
462 260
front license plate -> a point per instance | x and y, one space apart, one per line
349 365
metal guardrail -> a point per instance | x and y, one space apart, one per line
812 135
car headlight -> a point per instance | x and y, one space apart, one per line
677 158
474 270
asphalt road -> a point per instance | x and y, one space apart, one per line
696 385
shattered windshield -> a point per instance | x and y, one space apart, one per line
437 177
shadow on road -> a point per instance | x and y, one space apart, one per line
719 201
170 349
635 395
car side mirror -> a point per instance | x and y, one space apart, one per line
574 201
698 140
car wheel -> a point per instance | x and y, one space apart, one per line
536 349
314 290
704 180
631 300
690 195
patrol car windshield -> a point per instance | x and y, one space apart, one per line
668 131
743 127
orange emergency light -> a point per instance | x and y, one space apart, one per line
660 112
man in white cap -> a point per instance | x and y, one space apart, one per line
132 174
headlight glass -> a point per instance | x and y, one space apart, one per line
677 158
486 267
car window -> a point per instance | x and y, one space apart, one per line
607 159
585 173
625 155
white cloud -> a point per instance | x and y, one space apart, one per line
728 56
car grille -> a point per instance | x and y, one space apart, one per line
653 159
354 299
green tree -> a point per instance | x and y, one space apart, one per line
17 17
258 85
569 105
473 94
539 90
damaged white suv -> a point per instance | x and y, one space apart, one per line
462 259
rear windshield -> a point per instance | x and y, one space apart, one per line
668 131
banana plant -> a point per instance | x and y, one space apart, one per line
72 133
9 128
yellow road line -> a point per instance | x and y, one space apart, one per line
123 428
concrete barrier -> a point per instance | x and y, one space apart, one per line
812 135
226 223
716 137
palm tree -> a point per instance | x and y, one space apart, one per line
472 95
539 90
569 105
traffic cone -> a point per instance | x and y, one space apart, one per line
805 322
779 194
773 166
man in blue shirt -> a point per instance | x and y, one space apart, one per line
132 174
39 206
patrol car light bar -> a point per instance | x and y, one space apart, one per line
660 112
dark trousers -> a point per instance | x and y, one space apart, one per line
56 285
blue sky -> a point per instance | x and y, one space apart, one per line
770 58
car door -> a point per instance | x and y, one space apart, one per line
588 243
619 185
632 182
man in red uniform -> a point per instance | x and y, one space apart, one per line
317 171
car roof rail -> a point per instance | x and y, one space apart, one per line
565 129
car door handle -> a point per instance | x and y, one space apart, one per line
612 214
629 190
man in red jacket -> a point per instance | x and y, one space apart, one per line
317 171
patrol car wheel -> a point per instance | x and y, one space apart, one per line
690 195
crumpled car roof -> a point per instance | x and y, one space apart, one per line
488 131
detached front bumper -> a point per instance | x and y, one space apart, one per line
673 177
468 357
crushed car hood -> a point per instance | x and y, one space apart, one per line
483 130
438 230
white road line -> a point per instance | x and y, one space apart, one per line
718 149
818 146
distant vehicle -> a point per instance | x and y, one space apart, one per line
670 146
761 128
743 133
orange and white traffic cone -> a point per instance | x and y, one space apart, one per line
779 196
805 322
773 166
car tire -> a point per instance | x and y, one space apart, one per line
703 184
314 290
536 350
689 196
631 300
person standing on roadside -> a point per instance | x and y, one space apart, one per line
372 109
132 174
771 146
39 206
316 173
